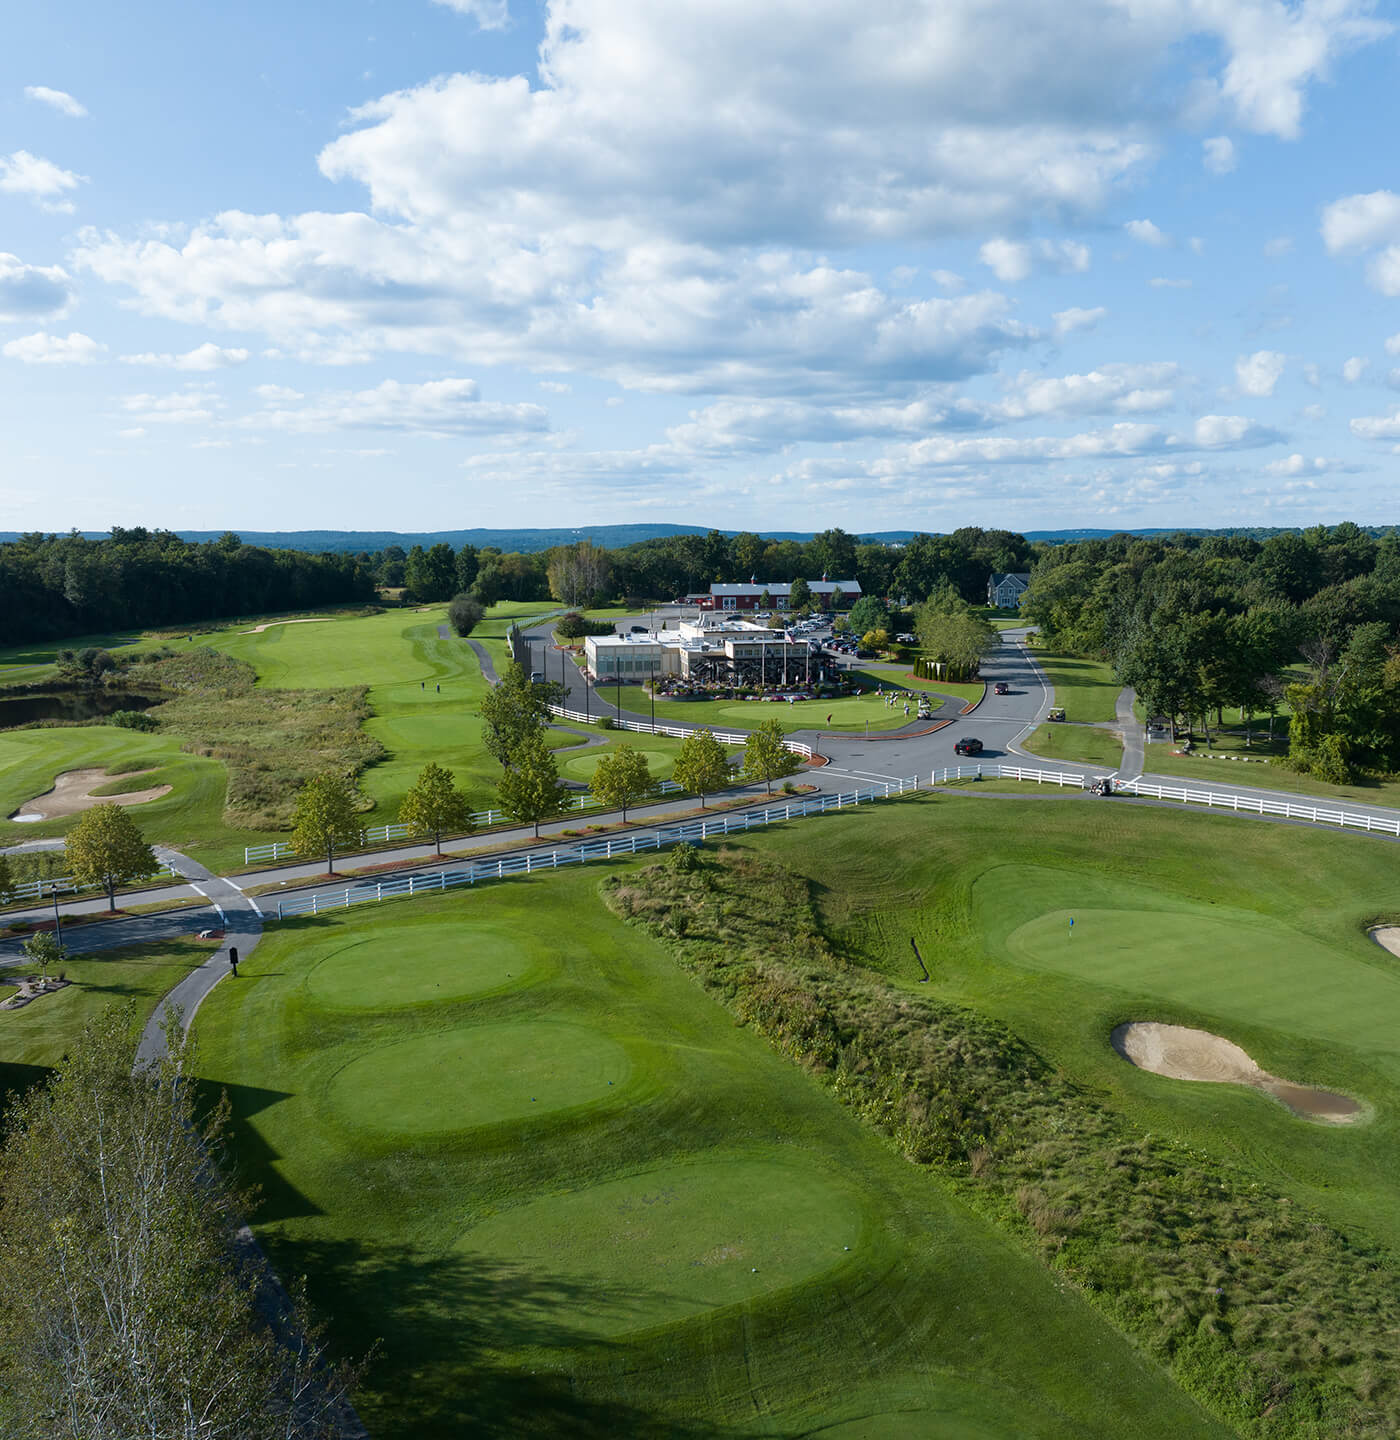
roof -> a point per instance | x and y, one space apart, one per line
782 587
1023 576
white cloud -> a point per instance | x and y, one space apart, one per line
180 407
60 100
203 357
1164 282
40 180
488 14
436 407
45 349
1392 345
1124 389
1008 260
1218 154
949 281
1067 322
1300 465
135 432
1360 222
1278 247
1354 368
1012 260
1146 232
1377 427
1314 412
1257 374
32 292
556 387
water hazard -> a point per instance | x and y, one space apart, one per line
70 705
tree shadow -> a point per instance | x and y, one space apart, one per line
444 1324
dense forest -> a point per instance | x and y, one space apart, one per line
1306 624
57 586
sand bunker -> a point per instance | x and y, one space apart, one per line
1387 937
72 792
1185 1054
268 624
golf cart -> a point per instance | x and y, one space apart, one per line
1057 713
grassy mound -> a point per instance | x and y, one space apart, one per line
671 1243
404 965
477 1075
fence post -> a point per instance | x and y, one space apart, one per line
313 905
279 909
347 897
379 891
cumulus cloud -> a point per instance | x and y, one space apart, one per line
45 349
1257 374
1300 465
436 407
1013 260
1218 154
1392 345
1377 427
1361 223
59 100
1146 233
949 281
38 179
1120 388
180 407
488 14
1068 322
32 292
1167 282
1354 368
203 357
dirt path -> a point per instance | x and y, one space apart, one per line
1184 1054
268 624
72 792
1387 937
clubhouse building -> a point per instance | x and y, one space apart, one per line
714 649
829 594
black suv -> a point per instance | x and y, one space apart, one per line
1001 688
968 746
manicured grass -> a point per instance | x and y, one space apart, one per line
1219 923
709 1246
1087 689
1161 761
849 713
190 817
35 1038
1075 742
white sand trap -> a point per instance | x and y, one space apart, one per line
268 624
1387 937
1184 1054
72 792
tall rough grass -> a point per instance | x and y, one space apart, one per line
1270 1316
270 740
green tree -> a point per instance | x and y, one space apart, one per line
702 767
513 710
127 1311
7 880
324 818
45 951
869 613
467 564
621 779
435 804
766 758
875 640
464 613
800 596
106 849
529 790
949 632
579 574
765 600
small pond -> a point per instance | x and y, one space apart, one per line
70 705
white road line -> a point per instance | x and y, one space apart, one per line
256 907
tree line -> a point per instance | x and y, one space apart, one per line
1306 624
54 586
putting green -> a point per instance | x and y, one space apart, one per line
446 1081
1227 964
581 767
417 965
660 1247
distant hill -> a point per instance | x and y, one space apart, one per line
613 536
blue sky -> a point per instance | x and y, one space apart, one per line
874 263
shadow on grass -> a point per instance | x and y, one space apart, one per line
253 1159
445 1322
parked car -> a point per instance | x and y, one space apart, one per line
1001 688
639 629
968 746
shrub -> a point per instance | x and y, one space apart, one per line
1331 761
683 859
606 722
133 720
